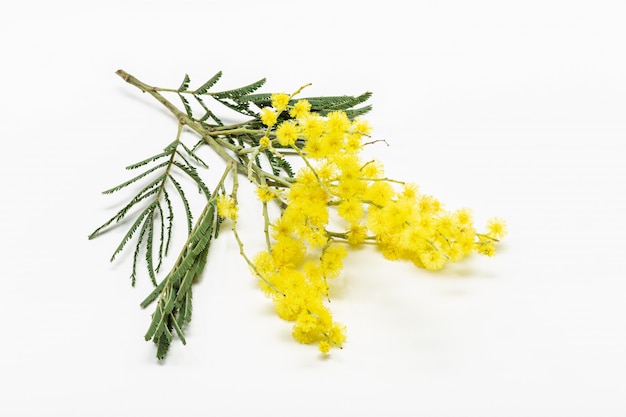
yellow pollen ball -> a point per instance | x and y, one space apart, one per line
268 117
287 133
280 101
265 142
300 109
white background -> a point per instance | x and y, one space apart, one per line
514 109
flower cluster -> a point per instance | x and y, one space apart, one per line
335 200
337 187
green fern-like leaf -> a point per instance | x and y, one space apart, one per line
193 174
146 192
193 155
148 160
208 114
259 99
170 221
135 179
138 222
186 105
149 229
322 105
241 91
352 113
279 164
185 202
174 307
184 86
240 108
149 243
210 83
133 275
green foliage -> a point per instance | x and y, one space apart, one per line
279 164
185 84
326 104
321 105
174 307
210 83
229 98
234 94
186 105
155 196
240 99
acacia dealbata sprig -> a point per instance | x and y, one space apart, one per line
304 249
